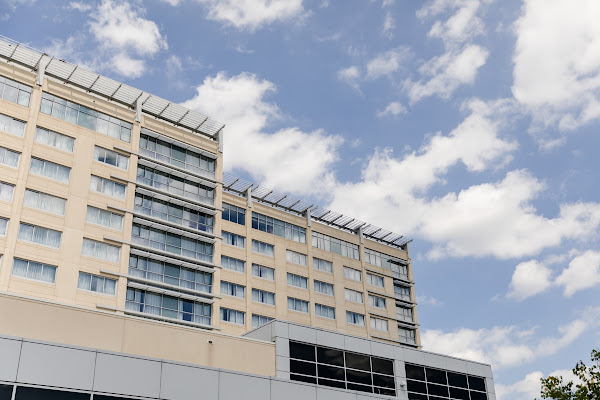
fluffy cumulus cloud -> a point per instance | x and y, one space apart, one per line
557 62
530 278
350 76
529 387
506 346
125 39
252 14
533 277
583 272
386 63
495 218
462 59
288 159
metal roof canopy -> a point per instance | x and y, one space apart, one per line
109 88
297 206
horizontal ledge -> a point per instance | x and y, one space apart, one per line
165 254
162 284
171 228
168 139
161 195
158 317
154 163
168 292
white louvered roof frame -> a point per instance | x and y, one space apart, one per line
298 206
77 76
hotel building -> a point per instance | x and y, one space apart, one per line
132 266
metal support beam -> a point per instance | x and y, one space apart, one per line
308 217
41 72
360 235
249 196
220 139
138 107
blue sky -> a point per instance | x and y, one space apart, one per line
470 126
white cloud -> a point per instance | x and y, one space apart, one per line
287 159
428 300
350 76
504 346
447 72
393 109
495 218
124 65
79 6
530 386
388 26
172 2
462 59
583 272
529 279
252 14
385 63
557 62
121 26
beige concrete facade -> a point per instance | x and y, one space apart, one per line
70 262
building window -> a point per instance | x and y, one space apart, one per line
297 305
398 266
324 288
158 271
324 311
6 191
262 248
233 316
233 214
231 289
406 335
404 314
168 306
37 234
376 301
402 292
322 265
50 170
354 296
14 91
105 218
440 383
111 158
11 125
175 155
297 281
260 320
175 184
96 283
233 264
379 324
44 202
54 139
335 245
100 250
174 213
375 280
107 187
3 226
263 272
233 240
34 270
262 296
9 157
279 228
85 117
171 243
296 258
341 369
353 274
355 318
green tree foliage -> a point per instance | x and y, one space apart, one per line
589 389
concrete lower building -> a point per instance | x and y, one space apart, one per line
120 234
